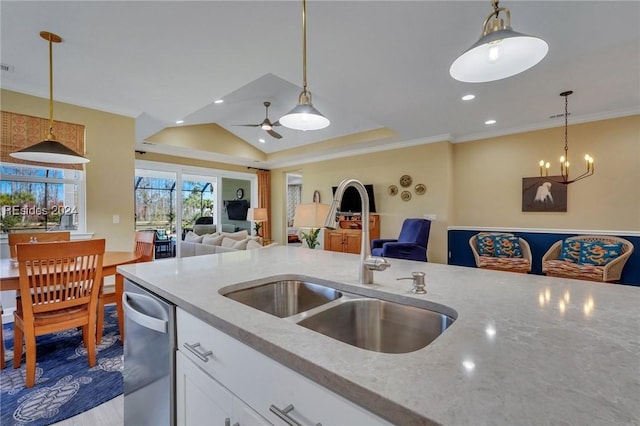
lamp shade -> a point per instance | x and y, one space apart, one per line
310 215
257 215
304 116
49 151
497 55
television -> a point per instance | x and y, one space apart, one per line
237 209
351 200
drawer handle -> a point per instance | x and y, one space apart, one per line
204 356
284 415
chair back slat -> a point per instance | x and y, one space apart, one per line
144 245
41 237
59 275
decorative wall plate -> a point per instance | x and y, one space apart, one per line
405 195
405 181
420 189
392 190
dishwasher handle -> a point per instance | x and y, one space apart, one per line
147 303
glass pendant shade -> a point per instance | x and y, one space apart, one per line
50 150
499 53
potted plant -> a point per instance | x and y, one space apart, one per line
311 237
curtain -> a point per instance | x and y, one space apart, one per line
20 131
264 200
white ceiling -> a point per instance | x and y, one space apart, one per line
371 64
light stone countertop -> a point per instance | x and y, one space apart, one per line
524 349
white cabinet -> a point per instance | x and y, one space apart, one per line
262 383
201 400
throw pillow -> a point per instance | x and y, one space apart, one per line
192 237
240 235
212 239
253 244
241 245
570 251
228 242
485 245
599 253
507 246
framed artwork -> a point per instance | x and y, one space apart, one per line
544 194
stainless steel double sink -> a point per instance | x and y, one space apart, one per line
365 322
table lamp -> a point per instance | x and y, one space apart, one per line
310 215
257 215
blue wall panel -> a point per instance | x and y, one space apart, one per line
460 253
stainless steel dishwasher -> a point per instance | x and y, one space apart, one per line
149 358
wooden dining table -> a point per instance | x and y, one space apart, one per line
10 276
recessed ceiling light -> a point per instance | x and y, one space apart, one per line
179 121
261 140
218 101
468 97
490 122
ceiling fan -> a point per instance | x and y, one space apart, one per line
266 124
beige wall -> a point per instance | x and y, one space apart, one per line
427 164
468 184
110 141
488 177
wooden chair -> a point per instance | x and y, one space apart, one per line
40 237
144 244
59 284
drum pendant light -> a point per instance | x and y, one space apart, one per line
50 150
304 116
499 53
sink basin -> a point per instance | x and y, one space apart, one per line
285 298
379 325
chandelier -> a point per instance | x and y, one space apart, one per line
564 160
50 150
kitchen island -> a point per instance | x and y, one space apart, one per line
524 349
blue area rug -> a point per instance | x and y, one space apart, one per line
65 384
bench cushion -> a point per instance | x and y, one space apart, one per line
599 253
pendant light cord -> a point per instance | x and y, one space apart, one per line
566 125
304 46
50 136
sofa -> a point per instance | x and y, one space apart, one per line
218 242
588 257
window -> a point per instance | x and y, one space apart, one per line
170 198
40 199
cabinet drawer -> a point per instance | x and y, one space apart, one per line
261 382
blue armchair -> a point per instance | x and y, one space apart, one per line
411 244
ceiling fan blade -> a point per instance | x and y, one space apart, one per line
274 134
247 125
277 123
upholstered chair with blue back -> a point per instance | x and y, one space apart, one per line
411 243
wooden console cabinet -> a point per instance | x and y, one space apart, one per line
348 237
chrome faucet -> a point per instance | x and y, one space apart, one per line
368 263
